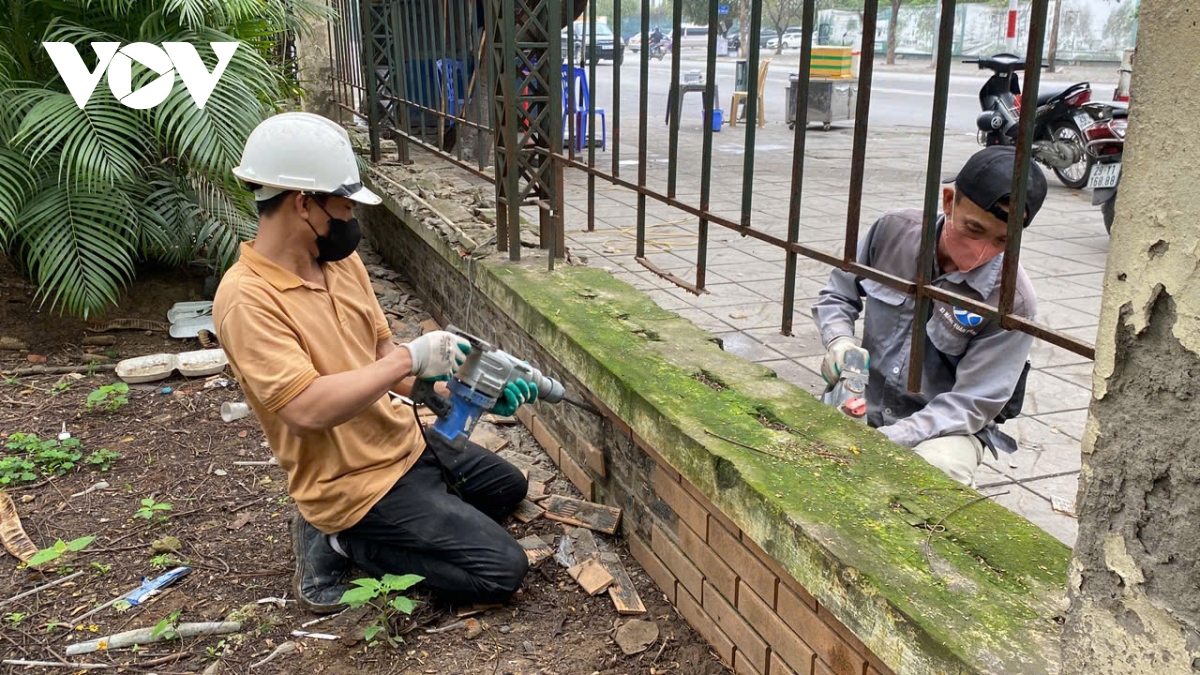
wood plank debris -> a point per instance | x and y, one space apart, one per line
528 512
537 490
583 514
591 576
429 325
536 549
533 471
489 438
624 596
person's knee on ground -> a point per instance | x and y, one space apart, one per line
510 571
957 456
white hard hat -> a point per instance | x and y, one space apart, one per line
302 151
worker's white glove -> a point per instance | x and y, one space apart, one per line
835 357
437 354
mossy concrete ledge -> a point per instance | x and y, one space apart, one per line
929 575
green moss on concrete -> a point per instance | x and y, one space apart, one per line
932 579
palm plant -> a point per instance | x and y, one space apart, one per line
87 193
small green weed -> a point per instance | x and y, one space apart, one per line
152 510
378 594
14 619
162 562
214 652
110 397
59 548
167 627
31 457
101 569
103 458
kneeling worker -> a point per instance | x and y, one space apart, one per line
972 366
312 350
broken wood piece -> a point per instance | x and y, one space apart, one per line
488 438
527 511
100 340
537 489
624 596
472 610
584 514
636 636
583 544
591 576
59 370
12 533
144 636
535 472
500 421
536 549
429 325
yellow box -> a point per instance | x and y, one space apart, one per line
836 62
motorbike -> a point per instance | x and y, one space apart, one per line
661 48
1059 123
1106 145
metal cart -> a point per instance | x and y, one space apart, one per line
829 100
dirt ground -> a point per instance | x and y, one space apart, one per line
232 525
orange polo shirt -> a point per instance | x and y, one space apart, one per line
281 333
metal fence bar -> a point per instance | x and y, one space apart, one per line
710 104
591 203
400 106
368 56
475 90
571 84
673 96
933 188
861 118
551 59
798 149
643 116
452 29
1020 180
752 111
616 90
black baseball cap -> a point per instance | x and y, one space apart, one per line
986 179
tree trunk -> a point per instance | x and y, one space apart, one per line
1052 58
891 46
1132 585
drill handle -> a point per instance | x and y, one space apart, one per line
423 393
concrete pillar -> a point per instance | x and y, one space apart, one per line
312 57
1134 580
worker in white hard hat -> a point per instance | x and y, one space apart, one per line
311 348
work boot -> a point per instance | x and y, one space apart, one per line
320 570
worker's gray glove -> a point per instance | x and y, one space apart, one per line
835 357
437 354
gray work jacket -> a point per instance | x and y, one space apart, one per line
960 394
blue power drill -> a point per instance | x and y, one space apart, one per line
476 388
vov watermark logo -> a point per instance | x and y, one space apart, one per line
117 61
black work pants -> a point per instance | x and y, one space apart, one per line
441 521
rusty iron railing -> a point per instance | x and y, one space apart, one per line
526 124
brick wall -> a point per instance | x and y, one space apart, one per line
758 619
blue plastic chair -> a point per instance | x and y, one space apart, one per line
576 88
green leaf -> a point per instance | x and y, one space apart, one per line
148 502
367 582
392 582
60 546
43 556
403 604
80 543
371 631
357 597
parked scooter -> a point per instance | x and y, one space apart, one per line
1058 127
1106 145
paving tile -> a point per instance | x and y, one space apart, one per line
798 375
804 341
1079 373
1046 394
747 347
1070 424
1060 317
1039 450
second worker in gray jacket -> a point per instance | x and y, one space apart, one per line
971 364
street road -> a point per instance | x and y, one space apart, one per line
899 99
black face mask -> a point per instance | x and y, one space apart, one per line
341 241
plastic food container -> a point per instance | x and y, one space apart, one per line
146 368
201 363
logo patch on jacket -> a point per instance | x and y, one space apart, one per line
965 318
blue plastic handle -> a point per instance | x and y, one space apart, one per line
151 586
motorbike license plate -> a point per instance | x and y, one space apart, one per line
1082 120
1105 175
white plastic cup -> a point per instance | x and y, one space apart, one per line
231 411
